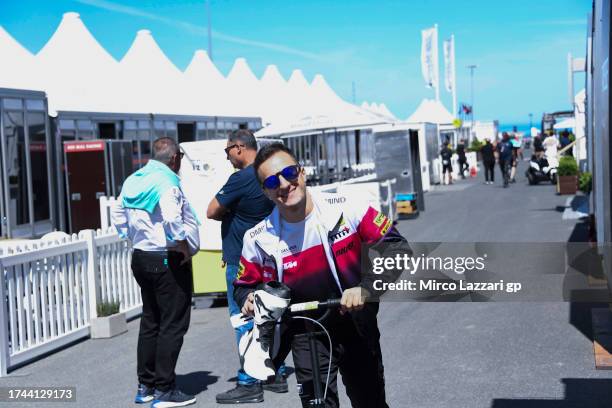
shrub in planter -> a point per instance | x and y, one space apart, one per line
567 166
567 180
585 182
107 308
109 322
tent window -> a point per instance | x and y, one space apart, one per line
84 124
107 131
35 104
10 103
38 161
66 124
18 207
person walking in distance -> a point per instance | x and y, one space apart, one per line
155 216
461 159
488 161
239 205
445 155
504 150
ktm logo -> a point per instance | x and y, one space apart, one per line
340 234
290 264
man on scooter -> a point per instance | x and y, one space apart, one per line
312 243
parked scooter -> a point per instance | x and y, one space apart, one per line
542 169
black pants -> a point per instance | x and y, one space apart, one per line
489 168
166 288
504 167
355 353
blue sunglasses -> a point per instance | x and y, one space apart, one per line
289 173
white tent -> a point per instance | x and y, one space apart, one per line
153 82
431 111
322 92
75 70
317 107
275 95
202 70
17 67
379 109
385 111
206 85
299 92
78 74
244 89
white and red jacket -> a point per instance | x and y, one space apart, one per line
321 270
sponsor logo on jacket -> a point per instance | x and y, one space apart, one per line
345 249
343 232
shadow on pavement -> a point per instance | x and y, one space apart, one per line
579 393
581 312
558 208
196 382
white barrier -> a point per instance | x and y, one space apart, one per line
50 291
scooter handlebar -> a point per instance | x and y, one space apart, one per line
314 305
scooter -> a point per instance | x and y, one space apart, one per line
270 303
319 394
542 169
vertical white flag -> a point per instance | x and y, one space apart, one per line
449 65
429 56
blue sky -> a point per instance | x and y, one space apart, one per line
520 47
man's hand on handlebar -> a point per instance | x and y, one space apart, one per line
248 309
353 299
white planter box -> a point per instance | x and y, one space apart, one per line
108 326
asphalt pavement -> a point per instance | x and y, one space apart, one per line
436 354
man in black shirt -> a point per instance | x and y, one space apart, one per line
239 205
488 161
461 159
446 154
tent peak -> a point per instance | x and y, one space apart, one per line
297 76
71 15
144 31
241 71
202 69
319 80
272 72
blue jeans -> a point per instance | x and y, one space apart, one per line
230 274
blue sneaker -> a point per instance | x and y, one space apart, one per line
172 398
144 394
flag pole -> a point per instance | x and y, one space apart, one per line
437 74
454 75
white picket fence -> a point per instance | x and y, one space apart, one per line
50 291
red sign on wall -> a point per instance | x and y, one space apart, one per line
84 146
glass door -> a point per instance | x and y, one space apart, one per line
26 205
